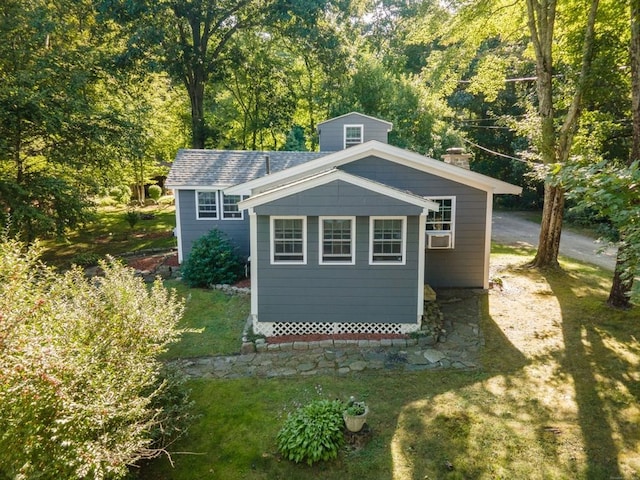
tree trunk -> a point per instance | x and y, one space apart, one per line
619 296
554 145
550 228
196 96
620 293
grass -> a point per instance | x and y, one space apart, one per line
557 398
217 320
109 233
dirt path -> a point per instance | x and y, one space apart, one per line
511 228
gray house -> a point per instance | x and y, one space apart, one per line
343 240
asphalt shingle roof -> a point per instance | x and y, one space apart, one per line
229 167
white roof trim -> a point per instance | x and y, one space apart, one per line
384 151
359 114
328 176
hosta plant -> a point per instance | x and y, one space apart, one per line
313 432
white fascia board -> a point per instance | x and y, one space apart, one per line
306 169
332 175
386 152
359 114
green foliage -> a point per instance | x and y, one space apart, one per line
86 259
81 391
213 260
121 194
155 192
42 206
313 432
132 217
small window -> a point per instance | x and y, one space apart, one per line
288 239
440 225
207 205
352 135
230 209
336 240
388 240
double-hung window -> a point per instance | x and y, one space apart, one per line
230 209
440 224
207 205
336 240
353 135
388 240
288 239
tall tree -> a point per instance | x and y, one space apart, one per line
190 38
622 284
555 143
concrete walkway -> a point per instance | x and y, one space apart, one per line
457 348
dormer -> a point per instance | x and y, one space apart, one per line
351 129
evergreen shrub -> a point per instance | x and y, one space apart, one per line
213 260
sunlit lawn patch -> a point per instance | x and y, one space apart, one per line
557 399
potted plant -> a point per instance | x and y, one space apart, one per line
355 415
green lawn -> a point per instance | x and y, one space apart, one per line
557 399
109 233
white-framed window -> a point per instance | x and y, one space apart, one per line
388 240
288 240
230 209
336 241
207 205
440 225
353 135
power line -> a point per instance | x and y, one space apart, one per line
493 152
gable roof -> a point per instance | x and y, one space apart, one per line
384 151
332 175
331 120
223 168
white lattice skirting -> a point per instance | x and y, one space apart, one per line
277 329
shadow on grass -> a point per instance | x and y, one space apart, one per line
599 358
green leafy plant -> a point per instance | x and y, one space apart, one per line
355 409
132 217
81 394
313 432
155 192
121 194
213 260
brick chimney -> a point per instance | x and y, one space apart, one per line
456 156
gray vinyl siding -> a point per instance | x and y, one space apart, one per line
337 293
338 198
192 228
462 266
332 131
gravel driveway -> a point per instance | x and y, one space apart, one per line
512 228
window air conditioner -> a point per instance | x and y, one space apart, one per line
440 240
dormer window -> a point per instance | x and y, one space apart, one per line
353 135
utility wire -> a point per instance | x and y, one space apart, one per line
493 152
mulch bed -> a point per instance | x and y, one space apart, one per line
152 262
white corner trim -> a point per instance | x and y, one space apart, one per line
487 240
178 231
422 225
253 252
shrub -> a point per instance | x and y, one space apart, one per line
313 432
132 218
121 194
81 394
213 260
155 192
